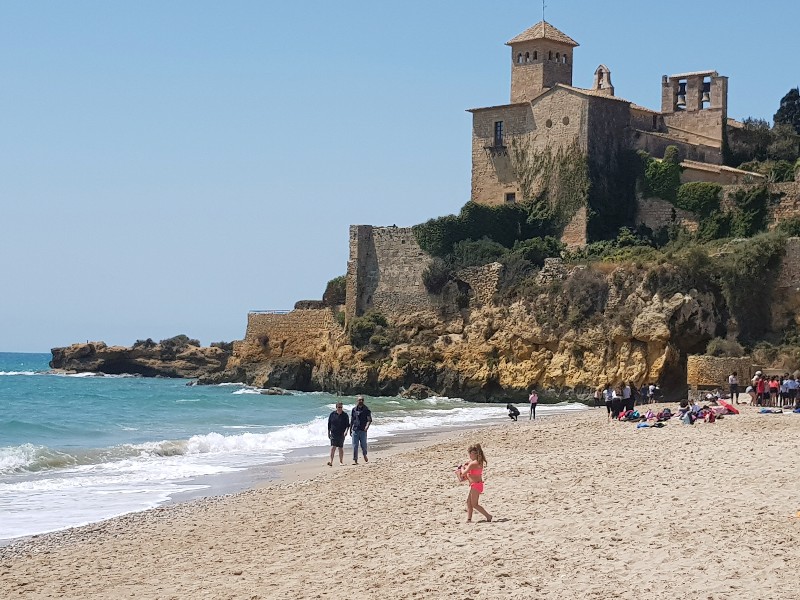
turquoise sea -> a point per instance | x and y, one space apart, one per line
76 449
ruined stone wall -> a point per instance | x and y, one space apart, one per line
656 213
483 280
384 272
789 276
298 333
788 202
690 174
711 371
574 234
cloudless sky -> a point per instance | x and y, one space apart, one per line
165 167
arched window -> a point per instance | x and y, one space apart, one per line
527 57
564 59
535 55
519 58
558 56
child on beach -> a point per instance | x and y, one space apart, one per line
473 473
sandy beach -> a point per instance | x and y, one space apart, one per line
582 508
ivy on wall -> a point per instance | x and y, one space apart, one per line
553 183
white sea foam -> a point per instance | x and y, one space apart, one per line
11 373
248 390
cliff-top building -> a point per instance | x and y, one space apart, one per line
547 113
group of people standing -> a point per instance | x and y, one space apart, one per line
765 390
624 397
356 424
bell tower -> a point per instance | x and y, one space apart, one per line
541 57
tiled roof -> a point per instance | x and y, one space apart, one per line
543 30
701 166
593 93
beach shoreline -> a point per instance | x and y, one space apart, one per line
583 509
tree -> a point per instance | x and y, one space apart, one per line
789 110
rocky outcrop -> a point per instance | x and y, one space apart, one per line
566 335
149 360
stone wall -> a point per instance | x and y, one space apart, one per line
655 143
483 280
574 234
789 276
384 272
710 371
703 127
297 333
656 213
492 172
787 205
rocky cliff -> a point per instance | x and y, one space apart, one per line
156 360
567 335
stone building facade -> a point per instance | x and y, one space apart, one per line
546 112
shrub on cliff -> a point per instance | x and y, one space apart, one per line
535 250
722 347
179 341
750 213
586 293
469 253
363 328
146 344
436 275
336 291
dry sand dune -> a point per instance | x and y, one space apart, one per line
583 509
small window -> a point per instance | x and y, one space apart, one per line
527 57
548 123
535 55
565 120
519 58
564 59
655 122
558 56
550 55
498 134
511 198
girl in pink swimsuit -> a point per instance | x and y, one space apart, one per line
473 472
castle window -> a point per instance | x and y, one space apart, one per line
527 57
558 56
564 59
550 55
498 134
565 120
655 122
511 198
535 55
548 123
519 58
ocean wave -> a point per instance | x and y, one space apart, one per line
248 390
14 373
31 458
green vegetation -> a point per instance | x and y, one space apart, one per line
371 328
722 347
662 178
336 291
698 197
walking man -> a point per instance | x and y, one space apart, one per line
360 420
338 426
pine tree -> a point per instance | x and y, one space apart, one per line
789 111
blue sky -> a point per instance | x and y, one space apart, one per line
167 166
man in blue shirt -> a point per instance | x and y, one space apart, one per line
360 420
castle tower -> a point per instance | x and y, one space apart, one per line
541 57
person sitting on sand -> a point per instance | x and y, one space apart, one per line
338 425
473 473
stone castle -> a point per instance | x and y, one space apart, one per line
547 113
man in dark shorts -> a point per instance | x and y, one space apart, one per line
338 425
